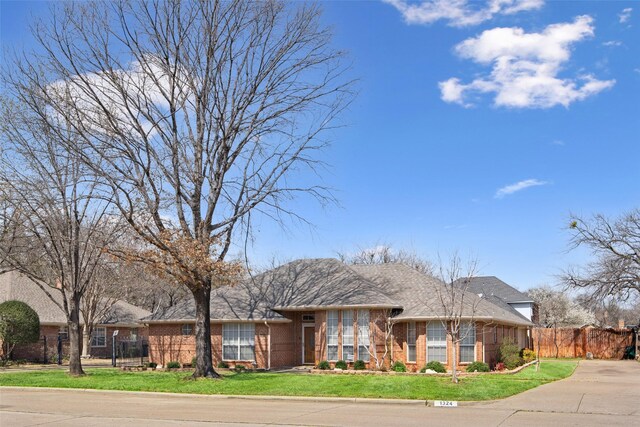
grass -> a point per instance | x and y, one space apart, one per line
482 387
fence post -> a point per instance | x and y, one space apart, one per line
44 352
113 348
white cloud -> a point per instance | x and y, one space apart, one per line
612 43
525 67
460 13
557 142
625 15
518 186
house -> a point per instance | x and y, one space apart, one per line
121 316
311 310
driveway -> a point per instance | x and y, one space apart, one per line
599 393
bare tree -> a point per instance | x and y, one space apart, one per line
195 116
615 244
385 254
55 224
453 303
384 321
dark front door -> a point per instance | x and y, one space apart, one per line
309 344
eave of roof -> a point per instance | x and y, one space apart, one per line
333 307
170 321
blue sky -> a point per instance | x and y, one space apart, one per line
478 127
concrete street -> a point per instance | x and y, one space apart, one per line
599 393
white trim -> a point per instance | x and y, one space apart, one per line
307 325
93 336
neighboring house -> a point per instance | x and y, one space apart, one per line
121 316
321 309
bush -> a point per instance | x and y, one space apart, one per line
499 366
478 367
398 366
324 365
528 355
434 365
359 365
173 365
223 365
152 365
341 364
193 361
240 368
19 324
509 354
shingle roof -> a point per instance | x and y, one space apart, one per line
16 286
418 295
298 285
491 285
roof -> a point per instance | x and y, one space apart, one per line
418 294
491 285
16 286
299 285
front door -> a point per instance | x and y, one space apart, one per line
309 344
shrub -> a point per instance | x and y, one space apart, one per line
173 365
499 366
434 365
223 365
193 361
359 365
478 367
528 355
398 366
240 368
152 365
324 365
509 354
19 324
341 364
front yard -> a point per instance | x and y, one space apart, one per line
424 387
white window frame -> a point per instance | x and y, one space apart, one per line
99 332
186 329
467 330
332 334
411 342
431 343
364 341
63 332
243 336
348 336
133 334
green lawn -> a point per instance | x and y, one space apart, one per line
381 386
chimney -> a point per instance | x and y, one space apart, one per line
620 323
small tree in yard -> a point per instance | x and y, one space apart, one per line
19 324
453 304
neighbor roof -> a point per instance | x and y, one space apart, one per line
16 286
491 285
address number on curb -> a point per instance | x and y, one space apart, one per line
445 403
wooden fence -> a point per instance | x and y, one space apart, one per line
577 342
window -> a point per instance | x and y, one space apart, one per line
187 329
133 334
347 335
308 318
99 337
468 343
495 334
411 342
332 335
436 342
363 335
238 341
63 333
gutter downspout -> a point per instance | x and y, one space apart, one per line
268 346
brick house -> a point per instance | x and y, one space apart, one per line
311 310
121 316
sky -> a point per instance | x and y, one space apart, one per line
479 127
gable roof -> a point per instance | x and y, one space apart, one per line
16 286
418 295
491 285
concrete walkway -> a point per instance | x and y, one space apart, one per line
599 393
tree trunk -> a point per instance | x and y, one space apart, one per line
204 365
75 364
86 341
454 362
